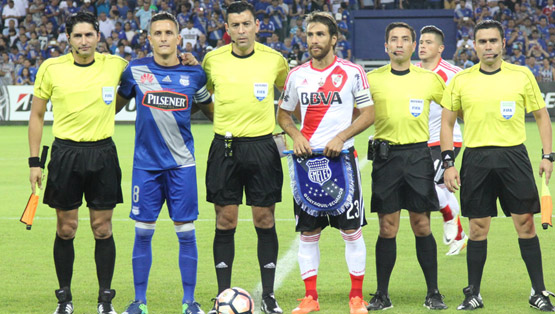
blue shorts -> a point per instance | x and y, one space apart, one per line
178 187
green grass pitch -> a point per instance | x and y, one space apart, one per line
28 276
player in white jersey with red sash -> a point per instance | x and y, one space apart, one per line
429 51
327 89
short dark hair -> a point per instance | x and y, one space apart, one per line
432 29
325 18
399 24
239 7
164 16
81 17
486 24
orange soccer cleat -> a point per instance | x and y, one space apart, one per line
358 306
308 304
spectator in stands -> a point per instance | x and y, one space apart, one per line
36 9
535 68
131 20
518 57
266 29
9 13
547 71
464 62
216 28
7 68
276 14
106 26
25 77
543 27
122 7
462 12
184 14
296 13
343 48
190 34
200 46
144 14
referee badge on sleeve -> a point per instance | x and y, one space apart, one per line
108 93
416 106
508 109
260 91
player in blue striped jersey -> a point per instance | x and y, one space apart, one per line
165 93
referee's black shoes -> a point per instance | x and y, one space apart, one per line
379 301
471 301
269 305
434 301
65 306
105 297
541 301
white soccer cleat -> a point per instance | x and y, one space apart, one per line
456 247
450 230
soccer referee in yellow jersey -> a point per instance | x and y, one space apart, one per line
243 155
403 173
493 95
82 87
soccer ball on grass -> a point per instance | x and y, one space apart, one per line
234 301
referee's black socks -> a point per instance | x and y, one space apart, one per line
105 258
64 255
224 253
532 256
267 257
386 254
426 252
476 254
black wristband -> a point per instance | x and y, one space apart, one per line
34 162
548 157
448 155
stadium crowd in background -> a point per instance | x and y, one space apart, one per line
33 30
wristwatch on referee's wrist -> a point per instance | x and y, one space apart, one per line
448 164
549 157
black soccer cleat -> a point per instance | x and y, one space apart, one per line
214 310
105 297
379 301
269 305
471 301
434 301
65 306
540 301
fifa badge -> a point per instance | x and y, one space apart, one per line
508 109
260 91
108 94
416 106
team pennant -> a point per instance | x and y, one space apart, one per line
321 185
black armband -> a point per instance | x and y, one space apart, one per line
34 162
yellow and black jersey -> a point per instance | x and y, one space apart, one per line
402 103
243 89
83 96
494 103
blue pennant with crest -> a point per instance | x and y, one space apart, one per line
321 185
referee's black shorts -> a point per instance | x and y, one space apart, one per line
488 173
77 168
404 181
254 166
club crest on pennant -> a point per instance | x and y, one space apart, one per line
108 94
508 109
319 170
337 79
184 80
